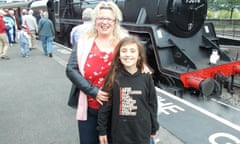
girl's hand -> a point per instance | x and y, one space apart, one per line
102 97
103 139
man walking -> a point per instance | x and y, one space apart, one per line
31 22
46 32
3 37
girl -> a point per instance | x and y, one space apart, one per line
132 108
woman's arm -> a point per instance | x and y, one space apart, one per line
73 73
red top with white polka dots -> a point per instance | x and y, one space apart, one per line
96 68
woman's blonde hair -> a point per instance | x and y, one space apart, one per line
118 18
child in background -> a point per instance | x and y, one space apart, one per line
131 111
24 40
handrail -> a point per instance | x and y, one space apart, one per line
226 27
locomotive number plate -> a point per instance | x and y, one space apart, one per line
192 1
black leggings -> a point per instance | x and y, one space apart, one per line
88 133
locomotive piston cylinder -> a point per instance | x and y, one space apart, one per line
236 69
194 82
206 86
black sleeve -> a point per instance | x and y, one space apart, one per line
104 116
73 73
153 105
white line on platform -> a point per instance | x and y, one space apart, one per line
60 45
220 119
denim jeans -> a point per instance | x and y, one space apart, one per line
24 49
47 44
152 141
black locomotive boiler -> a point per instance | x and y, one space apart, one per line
182 49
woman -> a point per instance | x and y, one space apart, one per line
89 63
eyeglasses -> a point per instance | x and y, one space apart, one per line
105 19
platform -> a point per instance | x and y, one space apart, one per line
33 105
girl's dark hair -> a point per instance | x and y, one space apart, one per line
116 64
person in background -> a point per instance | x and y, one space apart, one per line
46 33
24 41
88 64
3 37
12 15
10 26
39 15
77 30
131 111
31 22
24 12
18 17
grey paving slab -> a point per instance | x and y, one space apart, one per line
33 97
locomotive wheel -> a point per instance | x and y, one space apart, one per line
164 82
169 84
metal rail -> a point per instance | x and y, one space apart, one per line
15 5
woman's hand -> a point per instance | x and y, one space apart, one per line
103 139
102 97
155 139
147 69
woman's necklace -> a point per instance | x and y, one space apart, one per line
104 45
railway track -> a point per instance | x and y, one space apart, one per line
229 100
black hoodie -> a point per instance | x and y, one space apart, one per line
132 109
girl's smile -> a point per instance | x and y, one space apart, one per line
129 56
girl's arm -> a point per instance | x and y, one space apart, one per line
153 106
104 116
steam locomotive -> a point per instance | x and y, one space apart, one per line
182 48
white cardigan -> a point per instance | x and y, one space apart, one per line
84 47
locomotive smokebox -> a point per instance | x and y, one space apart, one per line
184 17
